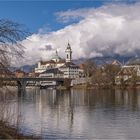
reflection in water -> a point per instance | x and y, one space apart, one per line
83 114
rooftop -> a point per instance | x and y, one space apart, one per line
69 64
54 70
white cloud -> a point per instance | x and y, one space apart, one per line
108 30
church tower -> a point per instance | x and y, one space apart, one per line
68 53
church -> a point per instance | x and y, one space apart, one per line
57 65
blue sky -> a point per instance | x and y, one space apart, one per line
37 14
94 28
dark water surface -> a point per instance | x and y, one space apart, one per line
80 114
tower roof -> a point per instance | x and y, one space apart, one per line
68 46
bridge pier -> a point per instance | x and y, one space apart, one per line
21 85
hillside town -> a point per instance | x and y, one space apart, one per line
111 73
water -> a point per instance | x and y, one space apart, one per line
80 114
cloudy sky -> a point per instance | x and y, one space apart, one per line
93 28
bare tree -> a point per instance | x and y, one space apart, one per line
99 78
89 68
111 71
134 78
11 33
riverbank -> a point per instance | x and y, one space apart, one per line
8 132
85 86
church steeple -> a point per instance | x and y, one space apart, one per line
68 53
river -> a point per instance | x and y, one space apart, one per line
79 114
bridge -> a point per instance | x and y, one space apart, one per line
22 82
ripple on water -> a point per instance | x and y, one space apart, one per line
80 114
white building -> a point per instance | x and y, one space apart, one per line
51 73
69 69
55 62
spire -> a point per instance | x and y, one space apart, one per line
68 46
56 52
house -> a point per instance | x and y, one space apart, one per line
70 70
131 69
20 74
116 63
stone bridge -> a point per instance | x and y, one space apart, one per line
22 82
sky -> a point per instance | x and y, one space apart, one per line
94 28
37 14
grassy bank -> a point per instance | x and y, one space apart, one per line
8 132
83 86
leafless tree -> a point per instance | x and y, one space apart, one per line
11 35
111 71
89 68
134 78
99 78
